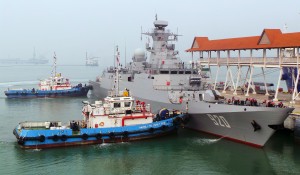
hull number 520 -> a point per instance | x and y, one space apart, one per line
219 120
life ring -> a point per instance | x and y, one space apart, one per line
55 138
85 136
101 123
63 138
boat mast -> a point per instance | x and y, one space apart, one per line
117 70
125 55
54 65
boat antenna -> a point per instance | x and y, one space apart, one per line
141 33
125 55
156 16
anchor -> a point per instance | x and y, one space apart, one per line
255 125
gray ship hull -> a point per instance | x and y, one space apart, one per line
233 122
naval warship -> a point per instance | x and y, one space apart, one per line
165 81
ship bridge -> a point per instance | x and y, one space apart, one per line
271 49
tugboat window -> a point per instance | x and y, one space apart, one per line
127 104
117 105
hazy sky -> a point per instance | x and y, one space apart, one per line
72 27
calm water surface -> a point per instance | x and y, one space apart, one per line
187 152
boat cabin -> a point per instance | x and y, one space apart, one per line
55 83
116 111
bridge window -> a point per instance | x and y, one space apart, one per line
188 72
127 104
173 72
117 105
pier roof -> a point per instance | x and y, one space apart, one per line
269 39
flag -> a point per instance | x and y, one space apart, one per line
118 56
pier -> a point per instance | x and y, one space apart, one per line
271 49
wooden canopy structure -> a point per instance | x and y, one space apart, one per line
269 39
285 44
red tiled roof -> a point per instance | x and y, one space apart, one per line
276 39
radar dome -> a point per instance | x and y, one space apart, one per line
139 55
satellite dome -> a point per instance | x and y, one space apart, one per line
139 52
139 55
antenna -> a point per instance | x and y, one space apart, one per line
125 55
141 33
114 56
176 38
156 16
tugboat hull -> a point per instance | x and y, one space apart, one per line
74 92
51 138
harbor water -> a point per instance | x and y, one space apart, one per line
187 152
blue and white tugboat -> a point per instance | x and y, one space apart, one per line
117 118
55 86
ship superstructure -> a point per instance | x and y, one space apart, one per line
165 80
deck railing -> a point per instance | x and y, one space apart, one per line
39 124
248 60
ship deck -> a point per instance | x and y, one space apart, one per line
284 97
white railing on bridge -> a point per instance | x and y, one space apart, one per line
248 60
